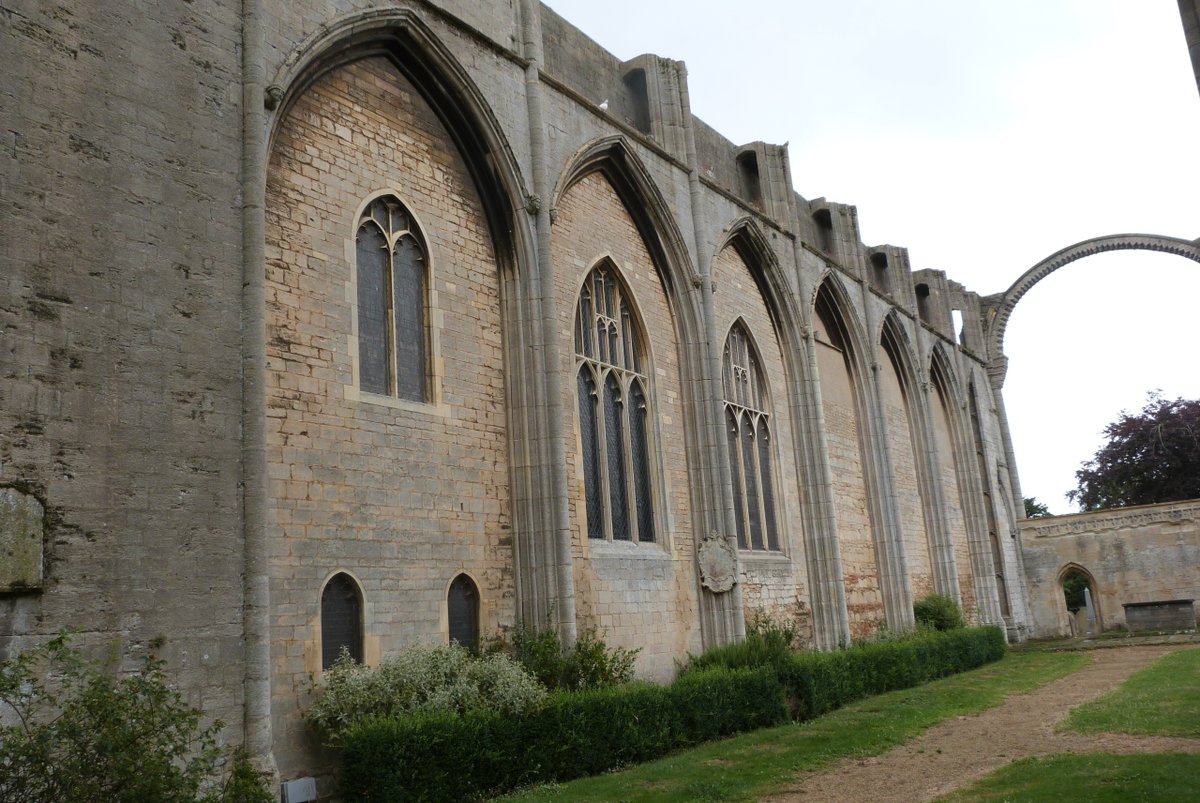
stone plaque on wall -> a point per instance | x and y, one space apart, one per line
20 541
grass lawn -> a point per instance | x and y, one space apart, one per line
1162 700
747 766
1094 777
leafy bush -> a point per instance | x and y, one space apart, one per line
445 679
821 682
440 757
768 642
590 664
938 612
84 734
245 784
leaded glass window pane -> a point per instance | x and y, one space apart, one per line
749 459
735 472
410 320
614 443
614 428
372 254
641 462
392 279
462 612
589 439
341 620
746 402
768 488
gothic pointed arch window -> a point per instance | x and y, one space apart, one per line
392 281
748 428
462 611
341 620
614 411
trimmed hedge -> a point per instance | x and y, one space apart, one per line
445 757
441 757
820 682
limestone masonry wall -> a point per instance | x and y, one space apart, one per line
134 191
1137 554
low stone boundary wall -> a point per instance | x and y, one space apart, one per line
1134 558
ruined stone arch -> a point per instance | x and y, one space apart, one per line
1069 568
1000 306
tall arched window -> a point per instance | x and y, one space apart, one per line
391 278
613 411
462 612
749 431
341 620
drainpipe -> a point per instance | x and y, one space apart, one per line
547 359
734 620
256 594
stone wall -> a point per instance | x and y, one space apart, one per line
1130 555
401 495
129 203
120 285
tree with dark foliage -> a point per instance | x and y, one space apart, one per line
1150 457
1035 509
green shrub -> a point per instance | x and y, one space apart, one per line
445 679
84 734
821 682
938 612
590 664
438 756
441 757
768 642
246 784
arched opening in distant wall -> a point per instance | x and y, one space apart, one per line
1079 594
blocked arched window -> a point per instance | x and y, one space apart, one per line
614 411
462 612
341 620
392 281
748 427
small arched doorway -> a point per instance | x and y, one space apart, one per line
1078 589
462 612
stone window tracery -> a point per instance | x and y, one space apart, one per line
613 396
748 430
392 285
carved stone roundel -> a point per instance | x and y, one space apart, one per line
718 564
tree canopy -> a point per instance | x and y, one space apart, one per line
1035 509
1150 457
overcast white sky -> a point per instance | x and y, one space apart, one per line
982 135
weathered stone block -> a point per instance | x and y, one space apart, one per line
20 541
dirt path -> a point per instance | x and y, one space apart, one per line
960 750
